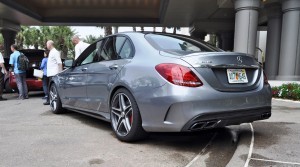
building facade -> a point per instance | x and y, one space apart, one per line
235 23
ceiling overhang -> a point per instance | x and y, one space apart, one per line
84 12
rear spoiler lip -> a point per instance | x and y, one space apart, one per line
228 66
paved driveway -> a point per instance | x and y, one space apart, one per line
31 136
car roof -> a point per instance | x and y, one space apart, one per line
151 32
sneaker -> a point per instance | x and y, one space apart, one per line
44 98
2 99
46 103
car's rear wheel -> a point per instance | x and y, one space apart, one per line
55 102
125 117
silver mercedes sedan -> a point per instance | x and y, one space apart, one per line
157 82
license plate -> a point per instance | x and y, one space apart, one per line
237 76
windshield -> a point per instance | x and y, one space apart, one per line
172 43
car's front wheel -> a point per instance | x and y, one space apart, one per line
55 102
125 117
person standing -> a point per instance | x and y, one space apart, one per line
45 78
19 74
54 64
3 72
80 46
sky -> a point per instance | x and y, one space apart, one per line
84 31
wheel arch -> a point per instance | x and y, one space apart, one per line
113 91
117 87
138 131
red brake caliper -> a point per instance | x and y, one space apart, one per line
131 119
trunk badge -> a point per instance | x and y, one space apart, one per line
206 62
239 59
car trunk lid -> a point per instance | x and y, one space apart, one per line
226 71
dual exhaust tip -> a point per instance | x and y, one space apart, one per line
205 125
214 123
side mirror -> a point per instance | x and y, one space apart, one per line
68 63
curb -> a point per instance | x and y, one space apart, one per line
241 153
286 100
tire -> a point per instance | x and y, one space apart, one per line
126 121
8 89
55 102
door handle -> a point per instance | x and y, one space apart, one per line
114 67
83 69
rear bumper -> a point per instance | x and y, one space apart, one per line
170 109
221 119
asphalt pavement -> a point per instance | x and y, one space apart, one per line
273 142
31 136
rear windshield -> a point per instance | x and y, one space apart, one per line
172 43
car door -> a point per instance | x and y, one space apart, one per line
102 75
74 86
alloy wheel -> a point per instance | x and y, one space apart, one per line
53 98
122 114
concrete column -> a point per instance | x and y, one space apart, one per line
297 72
9 30
273 40
225 40
290 39
9 39
246 20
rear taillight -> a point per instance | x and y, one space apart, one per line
265 78
178 75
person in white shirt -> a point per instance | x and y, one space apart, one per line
3 72
54 64
80 46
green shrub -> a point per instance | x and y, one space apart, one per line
287 91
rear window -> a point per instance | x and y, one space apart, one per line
171 43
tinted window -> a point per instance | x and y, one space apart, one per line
126 51
164 42
91 53
92 57
119 43
108 52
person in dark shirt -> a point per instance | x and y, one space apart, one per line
45 78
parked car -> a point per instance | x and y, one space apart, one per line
35 57
155 82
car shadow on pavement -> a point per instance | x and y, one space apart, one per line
188 140
201 142
90 121
14 96
36 94
181 141
84 119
